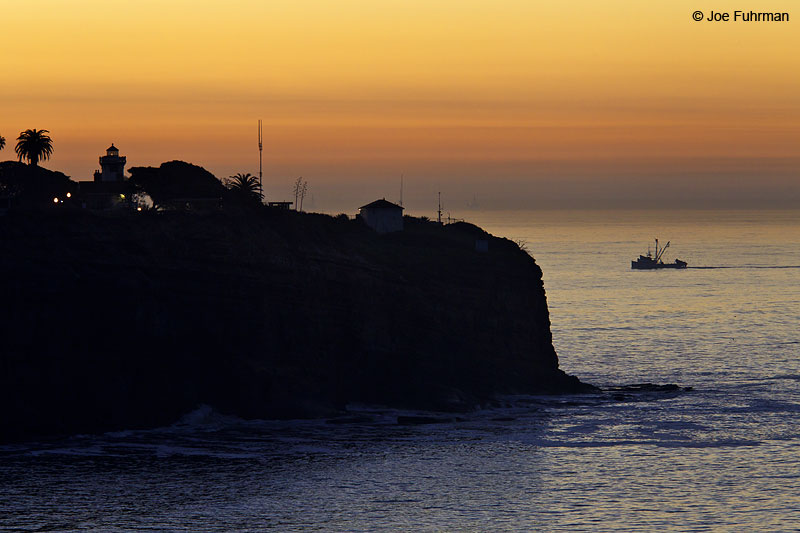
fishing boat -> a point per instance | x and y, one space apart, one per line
650 262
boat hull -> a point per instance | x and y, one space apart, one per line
639 265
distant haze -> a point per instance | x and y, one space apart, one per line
508 104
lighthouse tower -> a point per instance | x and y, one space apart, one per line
112 166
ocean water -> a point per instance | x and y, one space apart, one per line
723 456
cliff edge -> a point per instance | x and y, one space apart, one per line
123 321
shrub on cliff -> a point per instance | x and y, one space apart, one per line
33 186
176 180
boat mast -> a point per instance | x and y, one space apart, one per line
658 257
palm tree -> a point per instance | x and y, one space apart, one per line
2 142
246 185
34 145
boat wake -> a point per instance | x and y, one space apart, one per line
743 266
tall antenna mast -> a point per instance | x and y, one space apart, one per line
440 208
260 150
401 190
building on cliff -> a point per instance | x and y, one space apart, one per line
112 166
382 216
109 188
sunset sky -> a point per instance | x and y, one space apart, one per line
519 103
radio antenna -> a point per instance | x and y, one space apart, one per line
260 150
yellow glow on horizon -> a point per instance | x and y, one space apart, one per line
387 82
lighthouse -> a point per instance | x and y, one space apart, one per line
112 166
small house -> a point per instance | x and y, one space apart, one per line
382 216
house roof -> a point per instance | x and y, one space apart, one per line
381 204
112 147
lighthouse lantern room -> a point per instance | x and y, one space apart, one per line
112 166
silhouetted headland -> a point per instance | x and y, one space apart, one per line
125 320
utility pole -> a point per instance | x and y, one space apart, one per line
439 218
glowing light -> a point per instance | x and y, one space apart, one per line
69 195
55 200
138 208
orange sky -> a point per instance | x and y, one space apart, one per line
517 102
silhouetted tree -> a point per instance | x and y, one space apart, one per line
2 142
245 187
175 180
32 186
303 194
33 145
300 190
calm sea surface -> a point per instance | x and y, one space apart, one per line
724 456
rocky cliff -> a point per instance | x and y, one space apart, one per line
115 321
